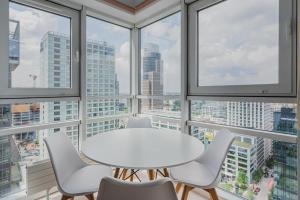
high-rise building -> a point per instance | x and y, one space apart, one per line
55 72
102 81
285 156
248 153
152 83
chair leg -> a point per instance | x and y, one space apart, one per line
124 173
117 171
213 194
166 172
90 197
178 187
64 197
185 192
151 174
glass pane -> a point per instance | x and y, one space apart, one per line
108 59
162 107
238 43
105 126
160 58
13 115
23 149
254 115
39 48
257 168
107 107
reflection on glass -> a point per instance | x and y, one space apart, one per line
238 43
39 48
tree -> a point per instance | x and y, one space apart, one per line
257 175
242 179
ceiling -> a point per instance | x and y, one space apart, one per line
132 6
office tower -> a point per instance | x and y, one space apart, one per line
248 153
101 81
285 156
152 81
55 72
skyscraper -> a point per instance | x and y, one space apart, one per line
55 72
248 153
102 81
152 82
285 156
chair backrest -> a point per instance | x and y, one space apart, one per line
139 122
113 189
216 152
64 157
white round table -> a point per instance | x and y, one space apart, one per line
142 148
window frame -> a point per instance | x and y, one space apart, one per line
46 6
287 57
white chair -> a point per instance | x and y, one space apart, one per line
73 176
114 189
204 172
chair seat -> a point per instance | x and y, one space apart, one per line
194 174
86 180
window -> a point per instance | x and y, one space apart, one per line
38 34
160 57
242 48
108 58
160 71
19 150
108 74
255 162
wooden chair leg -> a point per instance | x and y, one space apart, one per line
64 197
90 197
132 174
151 174
117 171
124 173
166 172
178 187
185 192
213 194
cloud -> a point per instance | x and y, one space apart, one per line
240 46
34 24
123 67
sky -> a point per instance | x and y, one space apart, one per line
238 43
35 24
166 33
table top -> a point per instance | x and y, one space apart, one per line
142 148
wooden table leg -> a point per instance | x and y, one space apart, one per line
166 172
124 174
213 194
132 174
178 187
151 174
185 192
117 171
